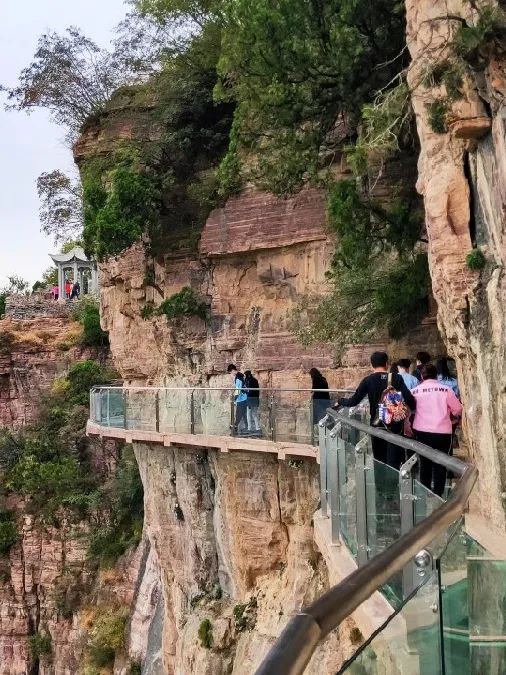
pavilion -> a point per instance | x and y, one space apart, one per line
75 266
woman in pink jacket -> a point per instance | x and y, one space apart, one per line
436 403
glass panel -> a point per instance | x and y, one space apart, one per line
383 518
347 501
293 416
487 615
454 604
141 409
425 502
213 412
410 643
116 407
174 411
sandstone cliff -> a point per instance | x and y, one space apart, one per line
462 176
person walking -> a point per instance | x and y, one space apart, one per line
436 404
445 377
422 359
320 397
240 400
373 387
403 366
253 402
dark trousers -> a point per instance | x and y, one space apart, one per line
429 471
240 414
386 452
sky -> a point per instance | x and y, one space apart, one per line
32 144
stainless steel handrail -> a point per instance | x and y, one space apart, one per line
99 387
293 649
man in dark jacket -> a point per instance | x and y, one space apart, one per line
373 387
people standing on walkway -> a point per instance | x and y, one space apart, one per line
403 366
240 400
253 401
373 387
422 359
320 397
68 289
445 377
436 408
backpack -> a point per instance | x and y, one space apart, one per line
391 407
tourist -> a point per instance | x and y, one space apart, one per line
240 400
68 289
253 401
76 290
422 359
373 387
403 366
55 291
445 377
436 403
320 396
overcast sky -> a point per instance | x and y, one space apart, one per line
31 144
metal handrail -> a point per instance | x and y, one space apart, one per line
98 387
293 649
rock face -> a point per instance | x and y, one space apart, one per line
234 539
32 353
462 176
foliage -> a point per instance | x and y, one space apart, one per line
448 72
87 312
379 278
135 668
205 633
475 44
122 502
60 213
40 645
3 298
48 462
107 636
183 304
475 259
70 76
294 67
16 286
439 110
8 532
120 202
197 12
245 615
385 128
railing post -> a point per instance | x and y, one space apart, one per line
333 483
157 411
124 396
272 421
322 437
108 408
192 412
410 577
361 501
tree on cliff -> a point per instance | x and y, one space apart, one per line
61 206
70 76
297 69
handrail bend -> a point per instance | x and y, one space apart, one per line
293 649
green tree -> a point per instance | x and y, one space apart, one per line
60 213
294 67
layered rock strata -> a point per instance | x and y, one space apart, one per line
462 177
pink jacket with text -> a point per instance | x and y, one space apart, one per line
435 402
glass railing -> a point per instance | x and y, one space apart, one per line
401 536
284 415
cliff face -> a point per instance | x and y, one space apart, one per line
462 176
234 539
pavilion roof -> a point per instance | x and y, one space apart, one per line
77 253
